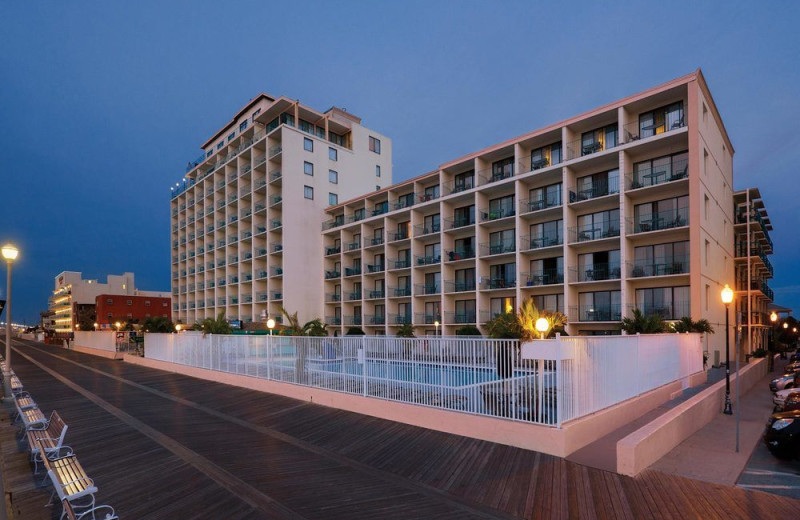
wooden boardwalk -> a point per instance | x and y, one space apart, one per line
161 445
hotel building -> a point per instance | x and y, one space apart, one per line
753 246
72 295
245 222
627 206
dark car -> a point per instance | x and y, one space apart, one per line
791 380
792 402
782 435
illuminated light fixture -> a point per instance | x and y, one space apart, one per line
10 252
542 326
178 327
773 317
785 325
727 295
727 298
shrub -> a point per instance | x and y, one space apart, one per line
468 330
641 324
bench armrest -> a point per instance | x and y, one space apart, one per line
57 453
92 513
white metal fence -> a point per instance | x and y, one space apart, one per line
572 378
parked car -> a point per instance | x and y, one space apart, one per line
785 400
785 381
782 435
792 367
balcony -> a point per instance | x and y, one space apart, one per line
353 295
352 246
460 254
276 271
498 283
375 268
333 320
400 292
596 273
428 259
661 220
661 174
665 266
398 236
334 250
594 231
543 277
663 121
275 151
424 289
405 201
667 310
505 211
585 146
427 229
460 318
376 294
593 313
333 297
539 242
400 263
531 205
496 175
400 319
427 318
332 274
458 222
352 271
451 286
380 209
498 248
277 248
594 190
377 319
375 241
460 185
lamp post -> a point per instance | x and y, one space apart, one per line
436 330
727 298
541 327
178 327
270 325
10 254
773 318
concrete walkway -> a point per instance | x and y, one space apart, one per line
710 454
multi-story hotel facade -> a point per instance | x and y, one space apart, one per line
753 246
245 222
627 206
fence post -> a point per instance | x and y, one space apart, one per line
557 390
362 360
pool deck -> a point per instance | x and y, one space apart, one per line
163 445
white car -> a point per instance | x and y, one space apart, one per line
780 397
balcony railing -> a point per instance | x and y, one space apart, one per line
375 268
530 205
400 292
352 246
637 130
377 319
352 271
334 250
603 312
428 288
428 318
330 275
498 248
489 214
598 189
457 186
427 229
489 176
375 241
460 254
498 283
458 222
333 297
661 174
397 236
333 320
663 266
668 310
582 148
376 294
661 220
354 295
400 263
451 286
597 272
543 277
428 259
404 202
594 231
460 318
400 319
538 242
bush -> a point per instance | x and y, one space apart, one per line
686 324
504 326
641 324
759 353
355 331
406 330
468 330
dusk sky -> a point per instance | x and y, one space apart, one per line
103 103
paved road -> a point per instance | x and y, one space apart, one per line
765 472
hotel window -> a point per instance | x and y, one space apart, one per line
661 259
464 181
129 302
231 136
308 192
333 199
164 304
333 154
110 301
671 303
374 145
431 193
465 311
662 169
545 197
243 126
549 302
308 144
661 214
333 176
502 276
661 120
220 145
502 169
546 156
255 114
503 305
377 170
308 168
600 306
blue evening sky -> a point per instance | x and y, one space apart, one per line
103 103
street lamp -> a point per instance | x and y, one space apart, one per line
785 325
270 325
541 326
10 254
436 330
95 326
178 327
773 317
727 298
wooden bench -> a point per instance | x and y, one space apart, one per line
23 401
94 513
51 439
32 419
16 385
70 483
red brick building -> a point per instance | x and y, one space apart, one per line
111 307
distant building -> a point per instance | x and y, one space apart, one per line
74 297
753 246
112 307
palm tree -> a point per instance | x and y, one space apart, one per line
406 330
529 315
641 324
216 326
315 327
686 324
158 324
